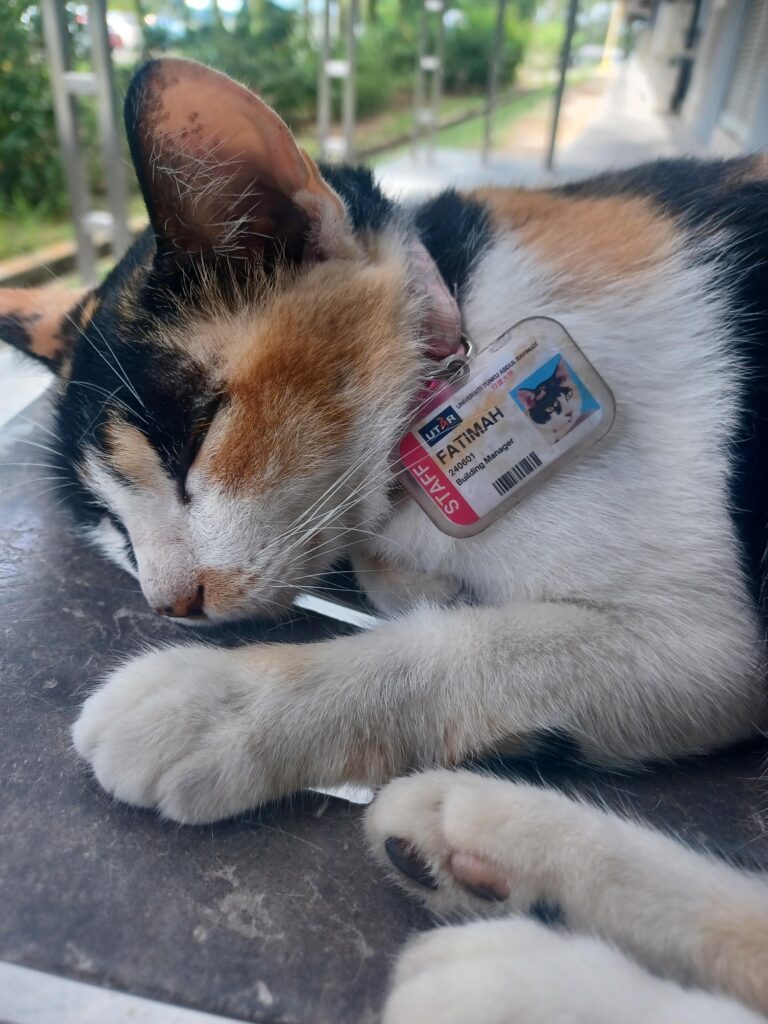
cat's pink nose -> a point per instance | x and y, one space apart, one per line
186 607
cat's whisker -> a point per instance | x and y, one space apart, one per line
37 444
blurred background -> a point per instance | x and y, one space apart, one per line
430 92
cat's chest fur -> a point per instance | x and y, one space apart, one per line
647 507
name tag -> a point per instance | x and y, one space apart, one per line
528 405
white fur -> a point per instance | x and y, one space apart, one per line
520 972
624 885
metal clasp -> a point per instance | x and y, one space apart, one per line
455 366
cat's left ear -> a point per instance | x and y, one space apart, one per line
43 322
221 173
527 397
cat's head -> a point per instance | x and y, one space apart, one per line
228 397
554 404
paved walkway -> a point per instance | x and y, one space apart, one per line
621 128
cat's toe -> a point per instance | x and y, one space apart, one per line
164 732
487 972
411 827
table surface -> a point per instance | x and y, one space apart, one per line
279 915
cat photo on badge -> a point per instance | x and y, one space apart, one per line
555 399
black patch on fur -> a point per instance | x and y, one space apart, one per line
369 209
129 552
114 351
455 231
707 197
549 913
14 328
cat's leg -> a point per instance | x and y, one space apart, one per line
492 846
516 971
205 733
394 589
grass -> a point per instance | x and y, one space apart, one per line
24 231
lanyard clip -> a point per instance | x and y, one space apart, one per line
455 366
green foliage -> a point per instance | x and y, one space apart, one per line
468 48
269 54
30 171
268 47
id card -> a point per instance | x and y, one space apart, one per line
529 404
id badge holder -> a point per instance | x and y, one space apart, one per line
523 409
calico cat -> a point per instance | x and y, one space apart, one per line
554 404
228 402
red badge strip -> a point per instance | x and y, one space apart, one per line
435 483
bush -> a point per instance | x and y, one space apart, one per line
468 45
30 170
272 58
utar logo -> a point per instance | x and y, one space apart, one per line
445 421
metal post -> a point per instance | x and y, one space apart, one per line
111 139
493 78
349 98
345 70
324 82
565 59
429 77
55 30
67 86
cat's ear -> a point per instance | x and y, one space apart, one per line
561 371
43 322
527 397
221 173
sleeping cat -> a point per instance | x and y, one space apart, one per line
228 402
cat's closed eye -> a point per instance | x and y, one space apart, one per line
194 443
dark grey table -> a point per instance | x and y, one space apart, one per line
276 916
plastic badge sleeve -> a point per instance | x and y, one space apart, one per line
530 404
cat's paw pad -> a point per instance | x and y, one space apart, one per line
439 829
166 731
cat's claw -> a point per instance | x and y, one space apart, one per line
166 730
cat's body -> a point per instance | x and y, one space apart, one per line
231 431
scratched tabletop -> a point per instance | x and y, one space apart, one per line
276 916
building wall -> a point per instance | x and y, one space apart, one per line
727 104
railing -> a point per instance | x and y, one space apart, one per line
336 141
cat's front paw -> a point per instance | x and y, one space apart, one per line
174 729
463 842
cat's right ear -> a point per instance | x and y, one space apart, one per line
44 322
221 173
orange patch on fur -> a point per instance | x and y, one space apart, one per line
291 662
133 456
88 310
751 169
223 587
296 384
594 241
41 318
735 950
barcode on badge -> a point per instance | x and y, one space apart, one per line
519 472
